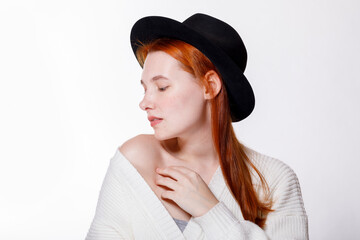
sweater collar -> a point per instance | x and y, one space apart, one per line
157 210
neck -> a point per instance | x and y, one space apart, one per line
197 148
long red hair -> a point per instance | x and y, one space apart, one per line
234 162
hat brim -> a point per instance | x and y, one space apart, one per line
240 94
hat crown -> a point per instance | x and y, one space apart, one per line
220 34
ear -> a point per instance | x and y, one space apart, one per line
213 84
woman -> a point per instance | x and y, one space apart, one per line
192 179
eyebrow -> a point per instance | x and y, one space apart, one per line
157 77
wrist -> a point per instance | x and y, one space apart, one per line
206 208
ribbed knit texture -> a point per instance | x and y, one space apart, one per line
128 208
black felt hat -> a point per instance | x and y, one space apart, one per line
216 40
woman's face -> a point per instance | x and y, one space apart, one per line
173 96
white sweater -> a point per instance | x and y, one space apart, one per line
128 208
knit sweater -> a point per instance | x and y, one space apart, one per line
128 208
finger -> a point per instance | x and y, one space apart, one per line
171 172
166 181
187 172
184 170
169 195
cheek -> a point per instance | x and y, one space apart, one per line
171 105
187 104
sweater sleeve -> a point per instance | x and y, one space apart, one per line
288 221
112 220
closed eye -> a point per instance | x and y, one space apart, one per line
163 89
160 89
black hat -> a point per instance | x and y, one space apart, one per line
217 40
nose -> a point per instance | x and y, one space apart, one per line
146 103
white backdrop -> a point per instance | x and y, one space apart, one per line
69 94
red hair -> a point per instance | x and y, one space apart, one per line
234 162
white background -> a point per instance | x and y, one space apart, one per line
69 94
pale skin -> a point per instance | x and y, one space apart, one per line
188 189
187 158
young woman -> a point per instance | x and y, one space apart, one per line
192 179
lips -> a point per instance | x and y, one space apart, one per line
154 120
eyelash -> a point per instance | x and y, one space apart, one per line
160 89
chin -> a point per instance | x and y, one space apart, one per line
162 136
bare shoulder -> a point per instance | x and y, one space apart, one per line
140 149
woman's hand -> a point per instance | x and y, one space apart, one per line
188 189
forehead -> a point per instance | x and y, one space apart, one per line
160 64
